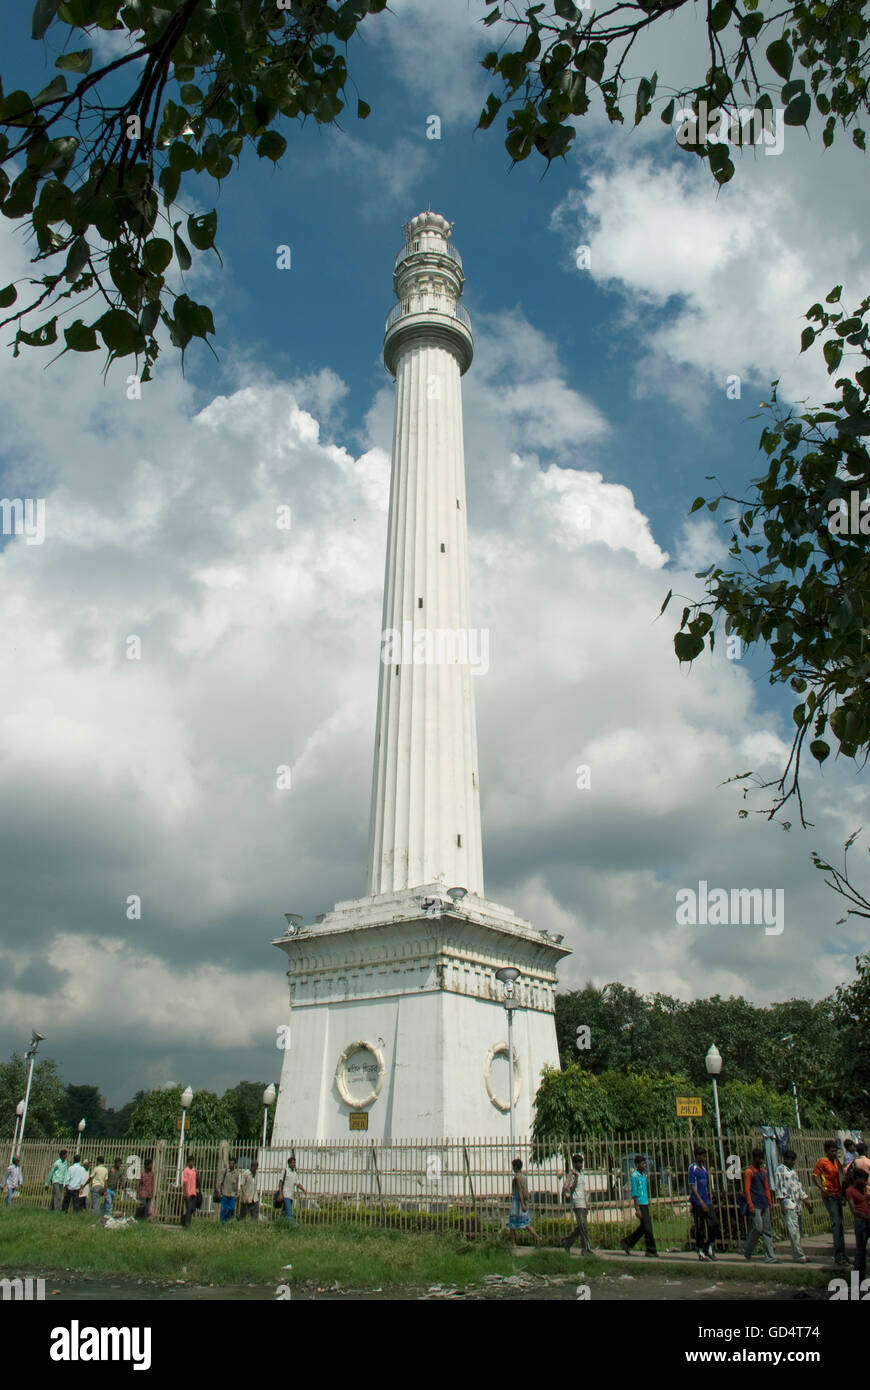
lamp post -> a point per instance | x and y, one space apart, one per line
268 1099
508 975
186 1101
713 1063
30 1055
19 1111
789 1040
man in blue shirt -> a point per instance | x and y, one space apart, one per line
640 1197
706 1225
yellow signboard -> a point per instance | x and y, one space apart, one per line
359 1119
690 1107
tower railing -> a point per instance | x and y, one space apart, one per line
412 247
401 310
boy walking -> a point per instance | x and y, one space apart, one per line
640 1197
574 1191
827 1176
705 1223
758 1202
789 1189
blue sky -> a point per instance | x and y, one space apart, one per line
603 386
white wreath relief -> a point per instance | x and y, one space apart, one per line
501 1050
341 1074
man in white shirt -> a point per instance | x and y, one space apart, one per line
574 1190
75 1181
12 1180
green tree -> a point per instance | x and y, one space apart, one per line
851 1016
47 1095
561 62
84 1103
202 81
100 146
246 1106
156 1114
801 579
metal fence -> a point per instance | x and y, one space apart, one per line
461 1185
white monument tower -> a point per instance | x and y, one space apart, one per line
397 1022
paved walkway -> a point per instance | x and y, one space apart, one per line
818 1248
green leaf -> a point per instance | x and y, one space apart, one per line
797 111
792 90
76 62
363 109
181 251
77 259
8 296
668 112
120 332
43 14
781 57
720 16
697 504
834 296
271 145
668 597
819 749
55 89
201 230
81 337
751 25
808 337
687 646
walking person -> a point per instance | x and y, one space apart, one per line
250 1197
287 1189
189 1189
99 1179
756 1191
520 1219
56 1180
856 1196
640 1197
145 1191
12 1179
76 1178
706 1226
862 1161
827 1176
228 1189
789 1189
113 1184
574 1191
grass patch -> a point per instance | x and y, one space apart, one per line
244 1253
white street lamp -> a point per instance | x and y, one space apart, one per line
508 976
19 1111
35 1040
789 1040
186 1101
269 1096
713 1063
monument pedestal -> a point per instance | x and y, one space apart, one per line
395 1014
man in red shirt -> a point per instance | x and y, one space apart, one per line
856 1196
189 1184
826 1176
758 1203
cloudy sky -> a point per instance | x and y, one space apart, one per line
601 387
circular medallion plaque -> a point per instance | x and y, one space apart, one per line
360 1074
500 1051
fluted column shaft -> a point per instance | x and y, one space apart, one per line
425 818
